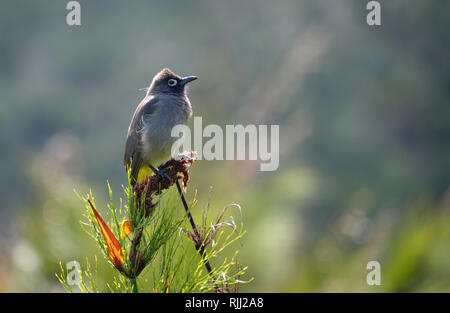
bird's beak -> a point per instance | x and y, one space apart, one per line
188 79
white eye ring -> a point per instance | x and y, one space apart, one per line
172 82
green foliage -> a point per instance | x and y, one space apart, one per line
172 263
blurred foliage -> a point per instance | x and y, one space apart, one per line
159 253
364 131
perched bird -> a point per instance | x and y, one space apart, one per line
149 139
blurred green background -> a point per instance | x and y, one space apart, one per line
364 119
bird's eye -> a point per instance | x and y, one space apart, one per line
172 82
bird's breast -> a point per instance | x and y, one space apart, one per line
156 136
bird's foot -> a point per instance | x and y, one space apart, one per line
160 172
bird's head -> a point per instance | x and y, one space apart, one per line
168 82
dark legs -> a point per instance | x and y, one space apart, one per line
160 173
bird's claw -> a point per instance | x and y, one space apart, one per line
160 172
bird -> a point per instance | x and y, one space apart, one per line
149 139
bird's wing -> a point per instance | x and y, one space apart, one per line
133 147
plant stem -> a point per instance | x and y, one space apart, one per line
134 285
201 250
186 207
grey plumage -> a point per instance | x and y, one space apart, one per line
149 138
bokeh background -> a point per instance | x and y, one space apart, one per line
364 119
